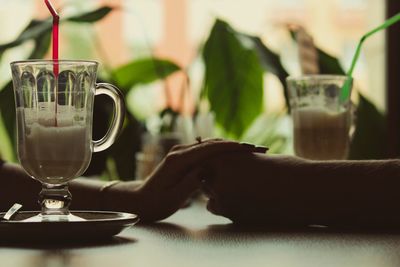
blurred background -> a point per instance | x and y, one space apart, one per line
177 30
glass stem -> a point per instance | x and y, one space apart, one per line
55 199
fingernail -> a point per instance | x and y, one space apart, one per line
257 149
261 149
248 145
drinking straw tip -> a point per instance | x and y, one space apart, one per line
51 9
345 93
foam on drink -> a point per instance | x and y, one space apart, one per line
321 134
49 153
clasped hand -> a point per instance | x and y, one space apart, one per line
188 168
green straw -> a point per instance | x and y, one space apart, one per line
345 92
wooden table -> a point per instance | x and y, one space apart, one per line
193 237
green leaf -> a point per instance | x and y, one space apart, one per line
42 44
271 62
123 151
41 29
7 112
91 16
370 132
270 136
233 79
328 64
102 112
143 71
34 30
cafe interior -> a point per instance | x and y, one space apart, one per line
239 132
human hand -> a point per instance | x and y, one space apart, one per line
250 187
179 175
233 183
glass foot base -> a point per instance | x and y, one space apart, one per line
54 218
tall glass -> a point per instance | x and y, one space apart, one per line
54 106
321 119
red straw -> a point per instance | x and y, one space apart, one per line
56 20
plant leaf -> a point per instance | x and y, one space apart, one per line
271 62
269 136
329 64
42 44
233 79
326 62
123 151
7 112
38 29
145 70
370 132
34 30
91 16
102 110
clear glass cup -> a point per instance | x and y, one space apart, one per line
54 110
322 121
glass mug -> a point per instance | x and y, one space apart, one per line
322 122
54 110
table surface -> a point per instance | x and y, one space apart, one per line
193 237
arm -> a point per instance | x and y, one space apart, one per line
17 186
280 190
354 193
164 192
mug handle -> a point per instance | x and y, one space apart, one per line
118 118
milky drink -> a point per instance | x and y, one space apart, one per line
54 154
321 134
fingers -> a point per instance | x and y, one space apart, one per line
213 204
180 147
160 202
182 191
193 154
188 184
177 147
184 158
